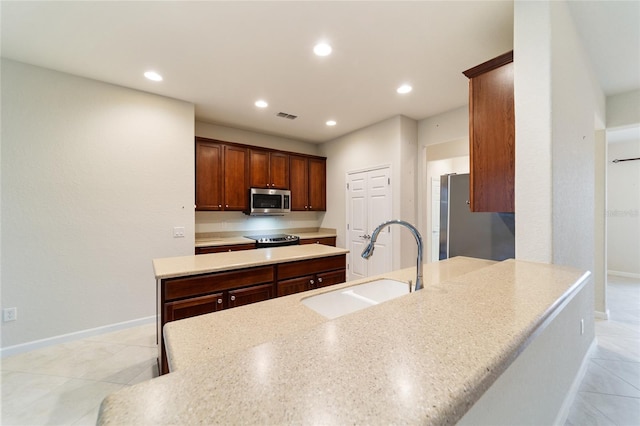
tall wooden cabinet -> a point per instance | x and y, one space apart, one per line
222 176
492 135
308 183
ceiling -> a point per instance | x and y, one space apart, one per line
222 56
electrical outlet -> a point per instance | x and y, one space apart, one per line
9 314
178 232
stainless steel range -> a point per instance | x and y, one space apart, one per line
274 240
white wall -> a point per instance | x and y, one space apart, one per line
94 178
384 143
207 222
558 105
623 109
623 209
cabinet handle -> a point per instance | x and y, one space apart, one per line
219 301
227 205
319 280
311 282
219 205
233 298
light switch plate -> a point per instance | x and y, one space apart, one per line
178 232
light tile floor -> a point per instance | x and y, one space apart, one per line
64 384
610 391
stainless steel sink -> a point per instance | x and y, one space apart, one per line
346 300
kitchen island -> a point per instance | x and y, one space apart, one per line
188 286
426 357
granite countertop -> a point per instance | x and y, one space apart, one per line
171 267
232 238
424 358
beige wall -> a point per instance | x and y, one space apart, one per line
94 178
387 143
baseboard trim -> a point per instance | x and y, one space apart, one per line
78 335
565 409
623 274
601 315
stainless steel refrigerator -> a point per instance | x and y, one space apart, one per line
463 233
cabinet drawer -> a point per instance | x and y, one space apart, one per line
222 249
327 241
313 266
179 288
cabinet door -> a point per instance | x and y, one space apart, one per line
295 285
492 136
259 169
317 184
330 278
245 296
279 170
236 178
298 182
187 308
208 176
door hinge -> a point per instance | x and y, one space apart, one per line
388 181
347 226
347 185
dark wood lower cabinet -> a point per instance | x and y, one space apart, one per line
253 294
181 309
185 297
327 241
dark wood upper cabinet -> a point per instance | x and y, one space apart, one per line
308 183
226 170
209 192
236 178
299 183
317 184
269 169
492 135
222 176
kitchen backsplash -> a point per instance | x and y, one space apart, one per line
207 222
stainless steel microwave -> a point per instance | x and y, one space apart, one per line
269 202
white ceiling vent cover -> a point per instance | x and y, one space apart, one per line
285 115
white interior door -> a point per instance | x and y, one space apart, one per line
369 204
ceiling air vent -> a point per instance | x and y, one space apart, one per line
285 115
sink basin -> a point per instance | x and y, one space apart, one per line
337 303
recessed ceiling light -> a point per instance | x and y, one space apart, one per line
405 88
261 104
152 75
322 49
331 123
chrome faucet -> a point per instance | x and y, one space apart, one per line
368 250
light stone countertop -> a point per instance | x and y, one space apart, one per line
171 267
213 240
421 358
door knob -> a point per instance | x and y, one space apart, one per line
366 236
